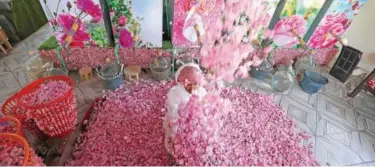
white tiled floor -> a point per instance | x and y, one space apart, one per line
342 128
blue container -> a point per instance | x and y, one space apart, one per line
113 83
111 75
312 82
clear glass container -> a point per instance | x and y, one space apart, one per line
283 79
35 67
55 71
160 64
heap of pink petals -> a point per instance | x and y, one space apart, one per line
47 92
14 156
255 133
96 56
127 129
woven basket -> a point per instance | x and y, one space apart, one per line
12 140
312 82
56 118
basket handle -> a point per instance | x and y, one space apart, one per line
13 119
20 139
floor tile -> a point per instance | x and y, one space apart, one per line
17 60
21 76
298 94
305 117
18 48
332 153
365 164
3 66
8 83
336 109
365 123
351 141
365 103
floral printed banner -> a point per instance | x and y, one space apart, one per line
308 9
137 22
298 15
335 23
76 23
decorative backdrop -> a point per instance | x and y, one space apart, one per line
86 13
337 20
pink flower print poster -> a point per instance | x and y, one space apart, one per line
337 20
187 14
77 22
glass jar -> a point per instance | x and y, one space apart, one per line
160 64
35 67
283 79
262 71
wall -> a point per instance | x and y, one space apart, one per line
361 35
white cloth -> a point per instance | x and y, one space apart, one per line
177 95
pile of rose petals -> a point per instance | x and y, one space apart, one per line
258 132
95 56
127 129
14 156
46 92
255 133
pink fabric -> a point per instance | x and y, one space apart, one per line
181 8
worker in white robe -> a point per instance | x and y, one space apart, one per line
190 80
